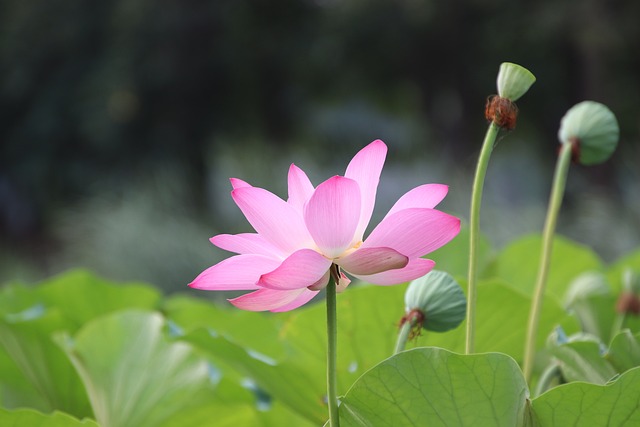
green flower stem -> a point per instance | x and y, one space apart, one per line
332 335
403 335
474 231
557 192
549 374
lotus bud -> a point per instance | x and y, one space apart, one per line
439 299
514 81
593 131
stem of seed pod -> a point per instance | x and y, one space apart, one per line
474 231
332 335
408 323
557 192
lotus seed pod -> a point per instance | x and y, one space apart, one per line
514 81
440 299
592 129
586 285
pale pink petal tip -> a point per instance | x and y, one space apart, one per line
372 260
416 268
238 183
240 272
269 299
301 269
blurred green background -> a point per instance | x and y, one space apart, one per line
122 120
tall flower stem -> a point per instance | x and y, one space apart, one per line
557 192
332 335
474 231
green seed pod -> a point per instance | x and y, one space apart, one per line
514 81
439 298
592 129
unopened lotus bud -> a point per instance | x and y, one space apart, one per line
586 285
514 81
592 130
440 300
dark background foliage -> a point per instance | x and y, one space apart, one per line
120 120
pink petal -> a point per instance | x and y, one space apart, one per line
300 188
365 169
417 267
343 283
238 183
302 299
372 260
414 232
273 218
301 269
332 214
424 196
236 273
267 299
246 243
320 284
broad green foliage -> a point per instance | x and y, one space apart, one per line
431 386
27 341
582 404
615 273
115 355
582 361
503 313
624 351
596 315
517 264
454 256
106 351
31 418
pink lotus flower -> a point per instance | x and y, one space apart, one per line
297 242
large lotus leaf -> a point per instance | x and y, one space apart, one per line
236 414
133 375
26 338
454 256
31 418
624 351
249 329
501 322
284 382
615 273
590 405
81 295
16 298
434 387
367 330
596 314
518 263
368 319
16 391
583 361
